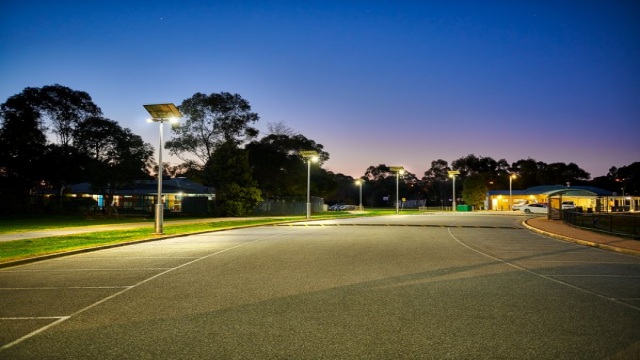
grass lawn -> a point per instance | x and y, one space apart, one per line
15 224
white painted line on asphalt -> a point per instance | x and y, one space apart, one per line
62 319
606 276
68 287
83 270
584 262
32 318
34 333
137 257
546 277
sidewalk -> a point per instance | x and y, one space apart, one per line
562 231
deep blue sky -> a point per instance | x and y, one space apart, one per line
393 82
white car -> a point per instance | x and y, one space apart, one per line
519 205
535 209
568 205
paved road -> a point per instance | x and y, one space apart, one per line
457 286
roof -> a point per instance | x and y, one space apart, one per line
570 192
150 187
546 189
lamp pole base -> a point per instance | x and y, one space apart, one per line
159 218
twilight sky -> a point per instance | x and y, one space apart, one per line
375 82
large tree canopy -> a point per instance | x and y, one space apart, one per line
472 164
26 118
22 140
475 190
436 181
27 159
381 185
229 171
117 155
277 165
212 120
65 108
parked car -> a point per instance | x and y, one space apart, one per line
337 207
519 205
342 207
535 208
568 205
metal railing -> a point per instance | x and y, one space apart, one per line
626 225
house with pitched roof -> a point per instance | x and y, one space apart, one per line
179 195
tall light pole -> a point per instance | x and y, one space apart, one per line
309 156
359 183
453 174
399 170
161 113
511 177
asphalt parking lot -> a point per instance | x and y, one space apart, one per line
394 287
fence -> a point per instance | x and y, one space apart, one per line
627 225
289 207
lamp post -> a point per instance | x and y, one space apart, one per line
359 183
399 170
161 113
309 156
453 174
511 177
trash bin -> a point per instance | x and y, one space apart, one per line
464 208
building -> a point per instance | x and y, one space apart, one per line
179 195
586 198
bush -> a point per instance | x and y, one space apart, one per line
77 205
239 201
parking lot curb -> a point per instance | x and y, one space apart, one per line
580 241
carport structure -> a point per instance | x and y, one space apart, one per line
584 199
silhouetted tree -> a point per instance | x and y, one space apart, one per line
189 169
475 190
346 191
277 165
118 157
561 173
28 160
212 120
229 172
437 183
625 179
527 172
382 183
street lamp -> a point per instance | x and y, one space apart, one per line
161 113
309 156
453 174
359 183
399 170
511 177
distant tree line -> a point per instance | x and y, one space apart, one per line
53 136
